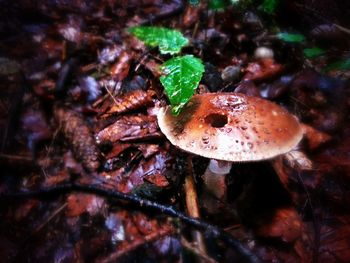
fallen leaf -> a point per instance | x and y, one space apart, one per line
130 101
335 243
79 203
264 69
191 15
285 225
314 137
120 69
128 126
158 180
25 208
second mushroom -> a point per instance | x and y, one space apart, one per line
228 128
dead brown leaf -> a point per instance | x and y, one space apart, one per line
79 203
121 68
263 70
130 101
285 225
133 125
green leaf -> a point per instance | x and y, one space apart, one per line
269 6
217 4
313 52
341 65
181 78
293 38
170 41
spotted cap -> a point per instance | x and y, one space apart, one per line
231 127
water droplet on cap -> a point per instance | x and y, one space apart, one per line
205 139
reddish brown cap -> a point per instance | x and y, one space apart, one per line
231 127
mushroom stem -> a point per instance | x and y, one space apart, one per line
214 177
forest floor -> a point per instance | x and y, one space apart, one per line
87 175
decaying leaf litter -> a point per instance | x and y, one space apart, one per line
80 97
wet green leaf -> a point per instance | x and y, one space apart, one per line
313 52
221 4
215 4
292 38
181 78
169 41
218 4
269 6
341 65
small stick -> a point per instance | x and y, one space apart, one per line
194 250
195 29
54 214
146 137
11 157
118 253
111 95
192 205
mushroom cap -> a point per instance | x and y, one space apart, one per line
231 127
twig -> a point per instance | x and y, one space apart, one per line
142 138
142 57
195 251
216 232
54 214
116 88
192 205
10 157
118 253
195 30
110 94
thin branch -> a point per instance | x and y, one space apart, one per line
119 253
192 248
216 232
110 93
192 204
53 215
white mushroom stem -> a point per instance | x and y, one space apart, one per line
214 177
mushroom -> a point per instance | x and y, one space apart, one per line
230 127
